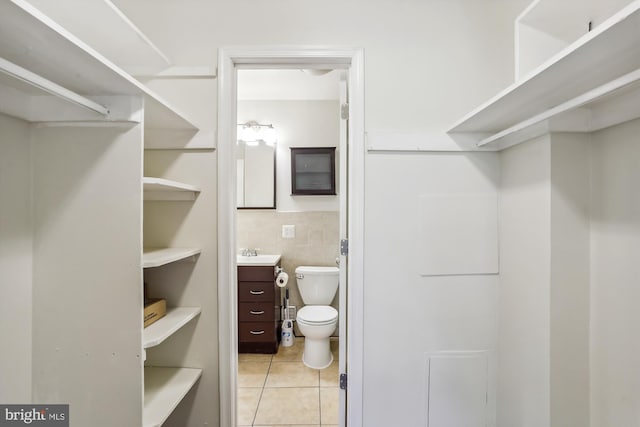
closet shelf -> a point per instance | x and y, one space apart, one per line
103 26
590 85
34 42
175 319
164 189
156 257
164 389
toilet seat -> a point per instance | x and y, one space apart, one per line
317 315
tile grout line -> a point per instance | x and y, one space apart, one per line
264 384
319 400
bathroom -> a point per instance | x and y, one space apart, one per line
302 109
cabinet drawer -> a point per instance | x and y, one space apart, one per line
256 291
256 311
256 274
257 331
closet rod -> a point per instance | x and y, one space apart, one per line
48 86
572 104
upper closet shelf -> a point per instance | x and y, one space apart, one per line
592 84
164 189
104 27
34 42
155 257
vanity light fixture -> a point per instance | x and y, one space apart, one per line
252 133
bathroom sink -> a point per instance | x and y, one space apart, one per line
258 260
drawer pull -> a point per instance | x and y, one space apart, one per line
257 313
256 292
256 332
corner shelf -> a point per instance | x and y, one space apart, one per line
164 189
175 319
164 389
156 257
34 42
592 84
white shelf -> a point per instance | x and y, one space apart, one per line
567 20
105 28
33 41
164 389
588 86
175 319
164 189
156 257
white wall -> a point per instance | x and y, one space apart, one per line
427 62
569 285
16 259
615 271
524 307
408 316
298 124
86 274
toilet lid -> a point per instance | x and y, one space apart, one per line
317 314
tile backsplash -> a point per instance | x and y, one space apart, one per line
316 241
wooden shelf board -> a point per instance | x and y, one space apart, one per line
609 105
175 319
164 189
164 389
596 59
156 257
103 26
35 42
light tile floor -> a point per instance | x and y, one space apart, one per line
280 391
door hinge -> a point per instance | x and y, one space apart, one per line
344 247
343 381
344 111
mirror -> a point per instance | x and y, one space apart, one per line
256 181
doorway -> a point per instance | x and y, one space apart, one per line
230 61
288 117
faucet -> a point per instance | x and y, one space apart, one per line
249 252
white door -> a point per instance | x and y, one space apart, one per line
344 233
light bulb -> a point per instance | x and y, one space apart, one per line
269 136
249 133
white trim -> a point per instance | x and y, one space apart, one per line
227 327
398 141
353 60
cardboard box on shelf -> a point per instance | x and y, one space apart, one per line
154 310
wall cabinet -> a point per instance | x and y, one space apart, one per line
313 171
259 320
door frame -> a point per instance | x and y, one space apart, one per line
229 59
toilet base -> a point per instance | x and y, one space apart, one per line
317 353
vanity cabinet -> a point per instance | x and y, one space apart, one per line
259 320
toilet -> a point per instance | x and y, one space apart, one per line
317 319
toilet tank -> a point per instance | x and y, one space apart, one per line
317 285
